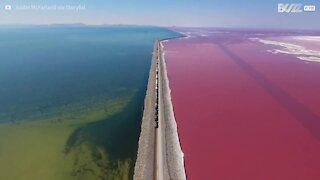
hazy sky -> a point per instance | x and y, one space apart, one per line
224 13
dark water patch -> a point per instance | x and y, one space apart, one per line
117 136
302 114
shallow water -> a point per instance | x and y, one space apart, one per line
71 99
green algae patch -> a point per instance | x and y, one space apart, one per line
37 149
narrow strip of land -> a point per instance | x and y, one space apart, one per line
159 154
161 163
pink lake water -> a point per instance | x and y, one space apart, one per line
243 112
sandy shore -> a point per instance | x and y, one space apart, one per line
145 159
174 154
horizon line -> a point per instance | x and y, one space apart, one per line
150 25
